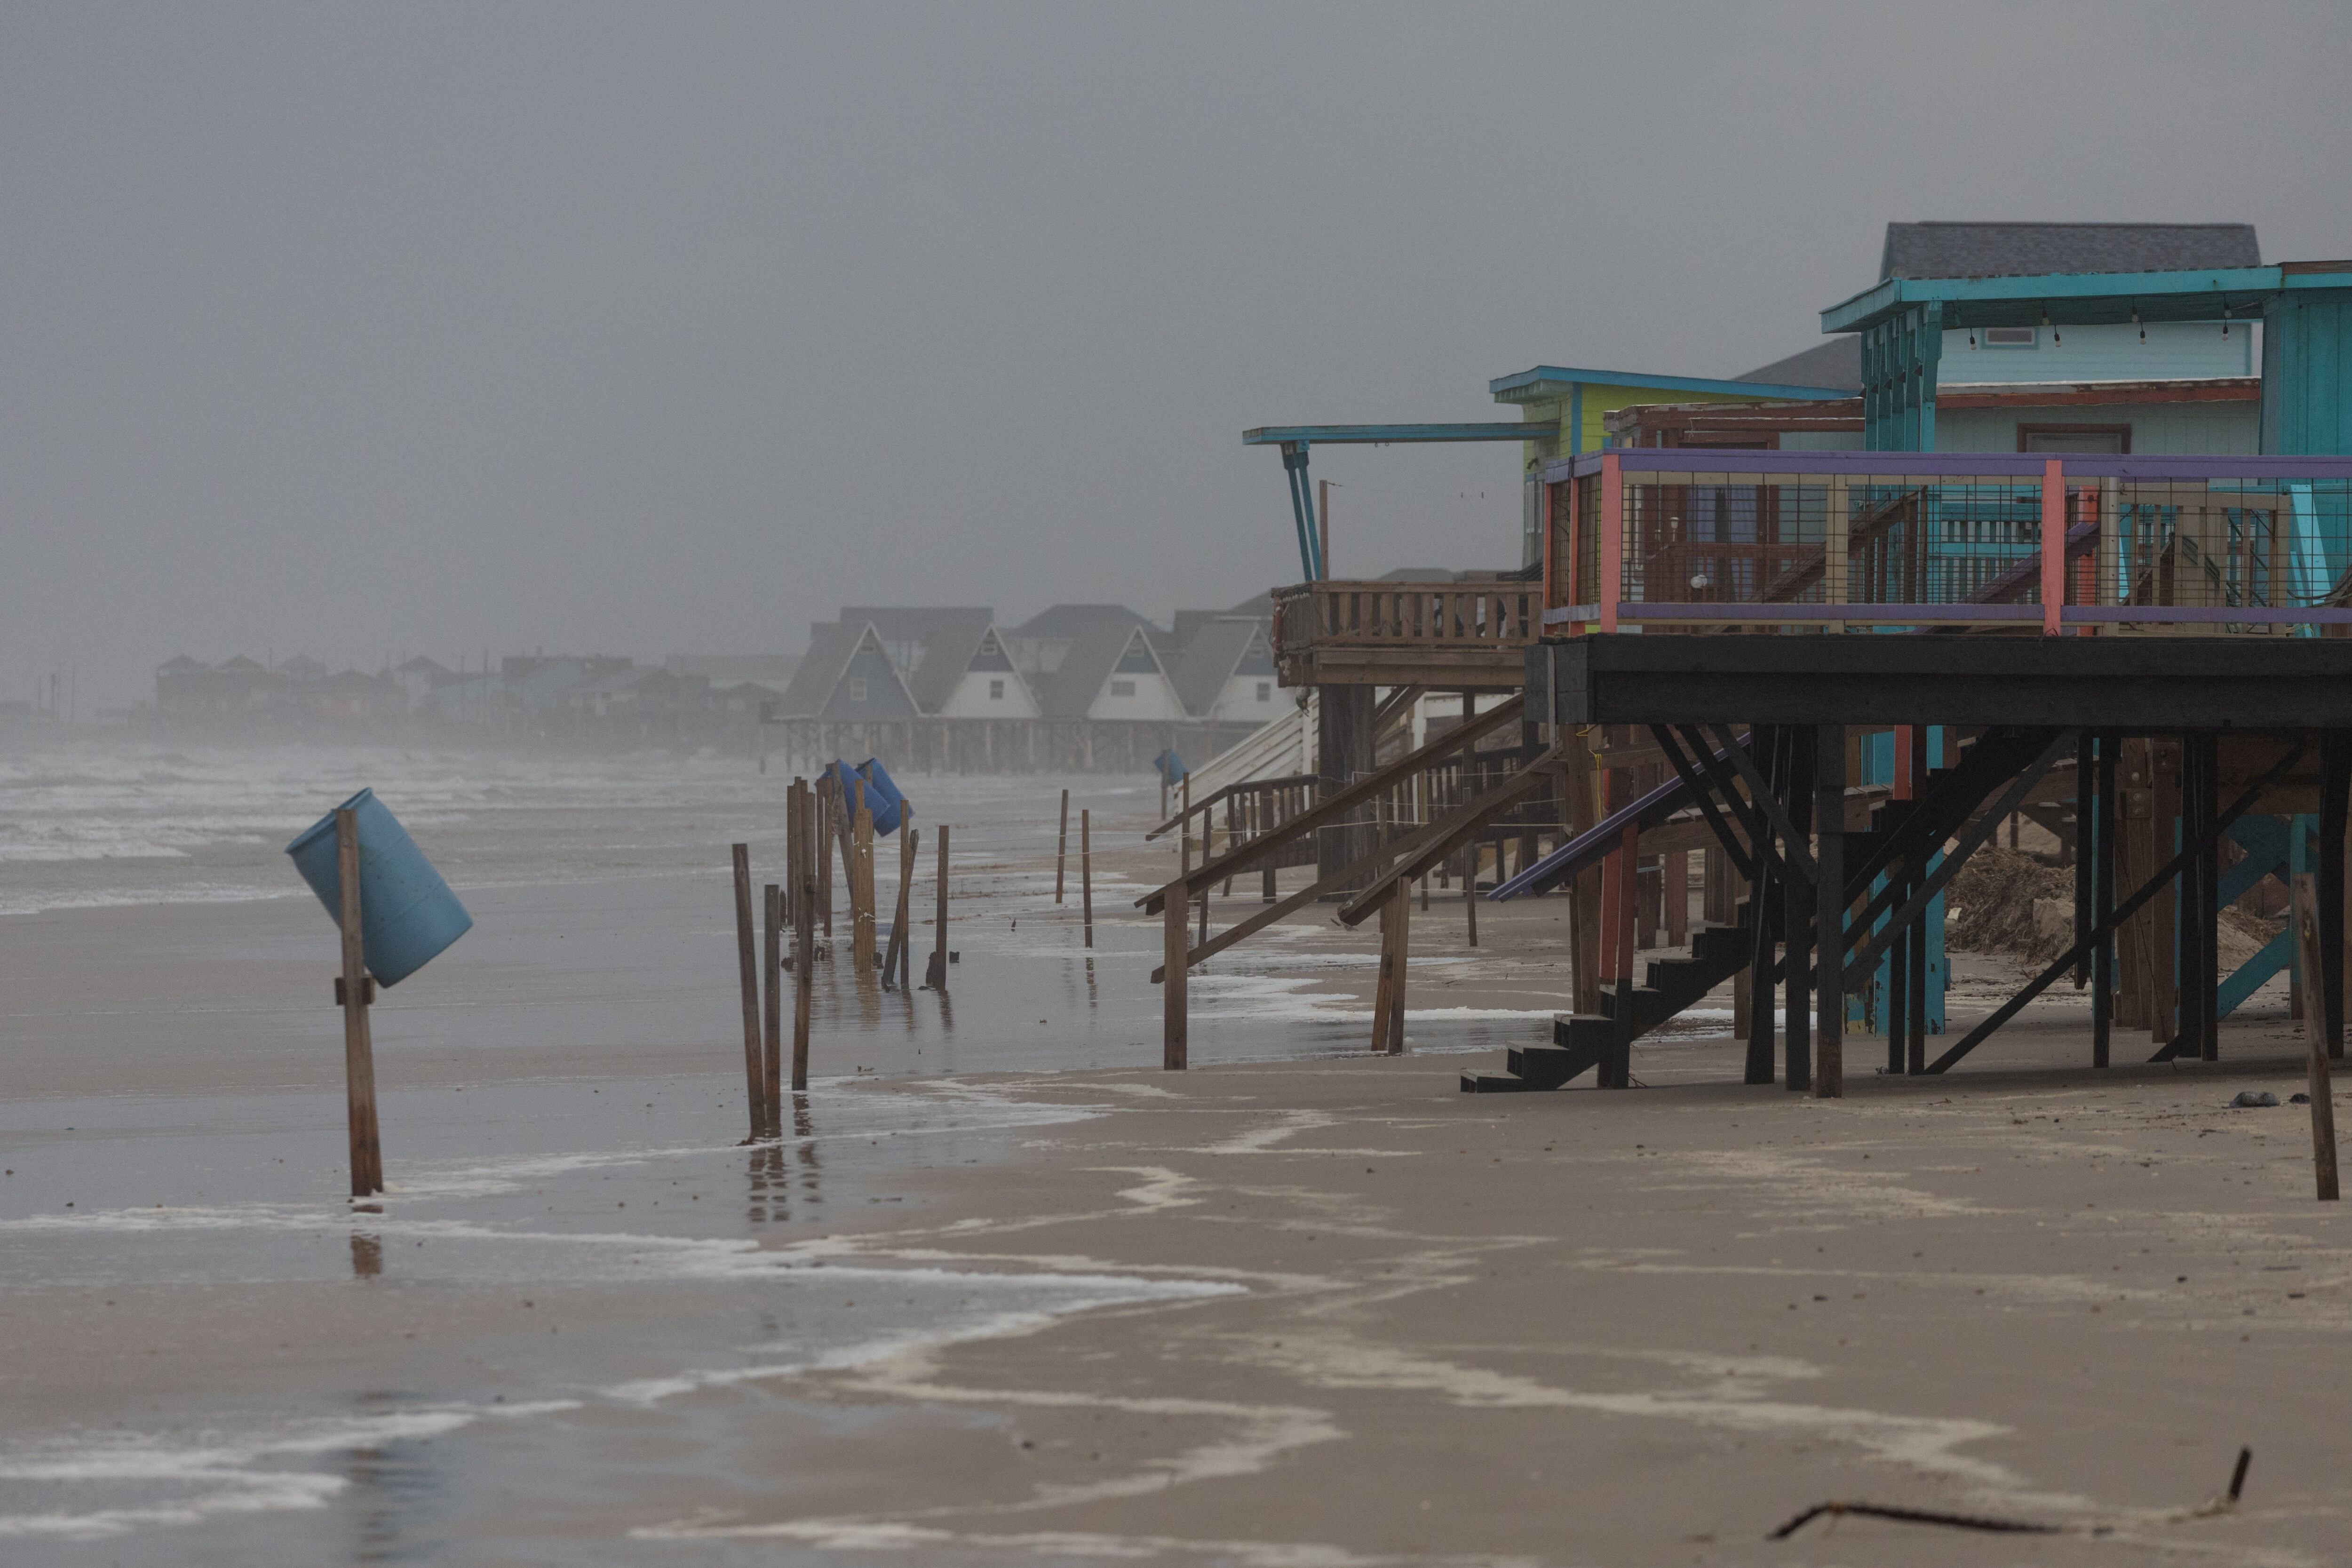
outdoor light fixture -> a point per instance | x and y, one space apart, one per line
1972 337
2135 322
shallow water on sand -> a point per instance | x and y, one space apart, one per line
665 1260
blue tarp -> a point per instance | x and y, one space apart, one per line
1171 766
882 796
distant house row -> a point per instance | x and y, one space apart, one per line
1094 662
688 697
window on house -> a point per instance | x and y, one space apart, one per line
2011 337
1265 691
996 692
857 689
1122 689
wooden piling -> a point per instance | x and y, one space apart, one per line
1086 871
828 790
861 887
359 1048
902 931
935 975
1396 945
772 1016
803 944
1173 951
1062 846
1829 910
1470 892
748 971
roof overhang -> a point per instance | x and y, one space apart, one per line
1385 434
2085 298
1547 381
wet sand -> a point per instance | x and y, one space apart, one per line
1007 1291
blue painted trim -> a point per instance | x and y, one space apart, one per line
2003 465
2159 296
1760 391
1362 435
2252 975
1576 419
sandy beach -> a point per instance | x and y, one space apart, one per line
1007 1291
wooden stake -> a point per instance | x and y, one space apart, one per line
1173 951
1396 947
828 789
861 888
359 1050
748 966
1086 871
902 935
936 975
1470 892
772 1012
1062 846
804 939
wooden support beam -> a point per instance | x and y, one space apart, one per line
1173 1042
1795 819
1763 916
1828 908
748 968
354 989
2106 816
2065 960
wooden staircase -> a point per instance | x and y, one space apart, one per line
1581 1041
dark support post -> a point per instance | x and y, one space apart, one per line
1797 791
2334 791
1343 720
2106 817
2083 795
1763 905
747 965
771 1013
1829 906
354 990
2208 888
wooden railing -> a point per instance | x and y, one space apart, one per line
1381 632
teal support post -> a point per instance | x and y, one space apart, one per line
1899 360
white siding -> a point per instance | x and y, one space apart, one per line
2174 350
981 694
1151 697
1239 702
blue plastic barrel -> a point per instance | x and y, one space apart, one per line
407 913
882 796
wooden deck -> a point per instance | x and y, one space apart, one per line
1447 635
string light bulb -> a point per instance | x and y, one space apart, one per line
1972 337
2136 322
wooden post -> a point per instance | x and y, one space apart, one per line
1385 978
1796 786
772 1011
804 949
2335 792
903 934
1470 890
359 1050
748 966
1829 910
1062 846
936 975
828 790
1173 951
2105 818
1086 872
861 888
1764 901
1398 930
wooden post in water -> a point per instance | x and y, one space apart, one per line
1062 846
1173 951
894 957
354 991
748 966
803 943
861 888
936 975
1470 890
826 789
772 1012
2335 796
1086 871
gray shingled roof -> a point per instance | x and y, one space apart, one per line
831 644
1836 363
1095 652
1210 661
947 654
2016 249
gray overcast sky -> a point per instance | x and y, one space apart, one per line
669 328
